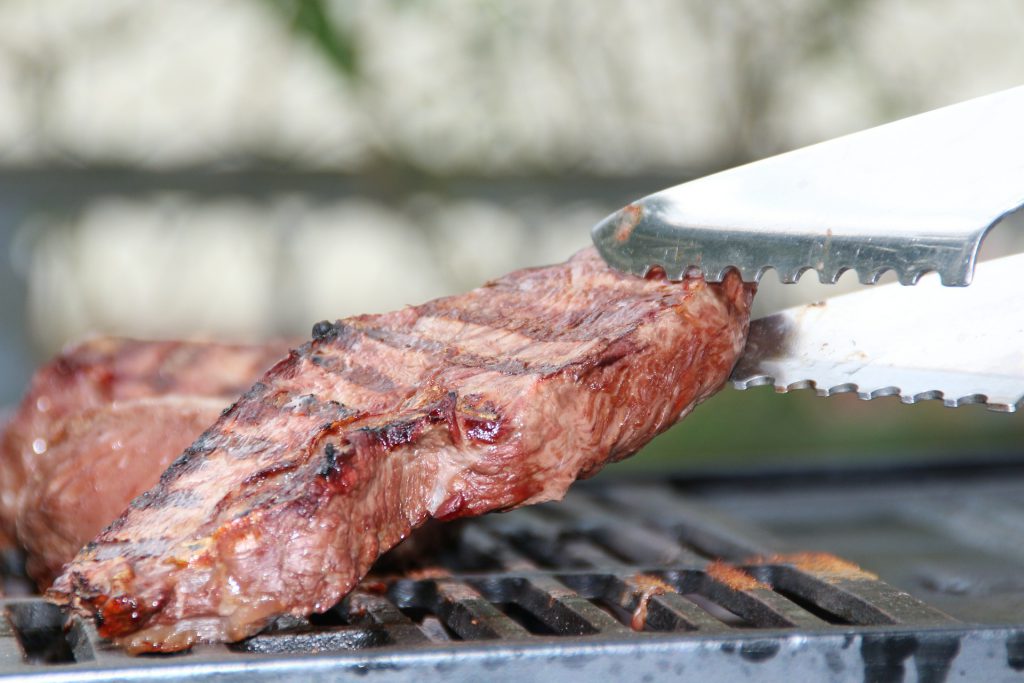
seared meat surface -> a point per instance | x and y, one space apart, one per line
485 401
98 426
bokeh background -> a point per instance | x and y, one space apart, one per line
240 169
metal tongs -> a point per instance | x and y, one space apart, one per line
912 196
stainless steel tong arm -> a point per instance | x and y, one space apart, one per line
961 345
913 196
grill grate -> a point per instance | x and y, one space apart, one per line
609 575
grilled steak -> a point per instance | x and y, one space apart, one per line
484 401
98 426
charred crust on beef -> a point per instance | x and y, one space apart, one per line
369 377
113 527
573 324
394 434
192 456
255 410
310 404
333 461
506 366
400 432
324 329
330 461
269 472
335 473
162 497
253 490
454 355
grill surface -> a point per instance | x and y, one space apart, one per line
621 580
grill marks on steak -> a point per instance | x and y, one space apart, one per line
496 398
99 424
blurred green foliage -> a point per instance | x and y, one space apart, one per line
312 20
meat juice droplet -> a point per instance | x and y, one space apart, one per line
42 404
39 446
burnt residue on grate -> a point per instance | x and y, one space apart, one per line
632 565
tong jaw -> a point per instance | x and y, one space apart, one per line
995 404
912 196
834 378
639 238
960 346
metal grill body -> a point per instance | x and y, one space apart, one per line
703 577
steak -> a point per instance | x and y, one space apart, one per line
484 401
98 426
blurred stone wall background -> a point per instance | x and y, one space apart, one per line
243 168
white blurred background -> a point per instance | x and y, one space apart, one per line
243 168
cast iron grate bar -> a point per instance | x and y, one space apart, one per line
639 544
12 655
472 616
710 533
366 608
459 606
759 606
554 604
673 612
481 545
784 611
37 628
551 543
648 602
545 598
334 639
853 595
562 609
87 645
